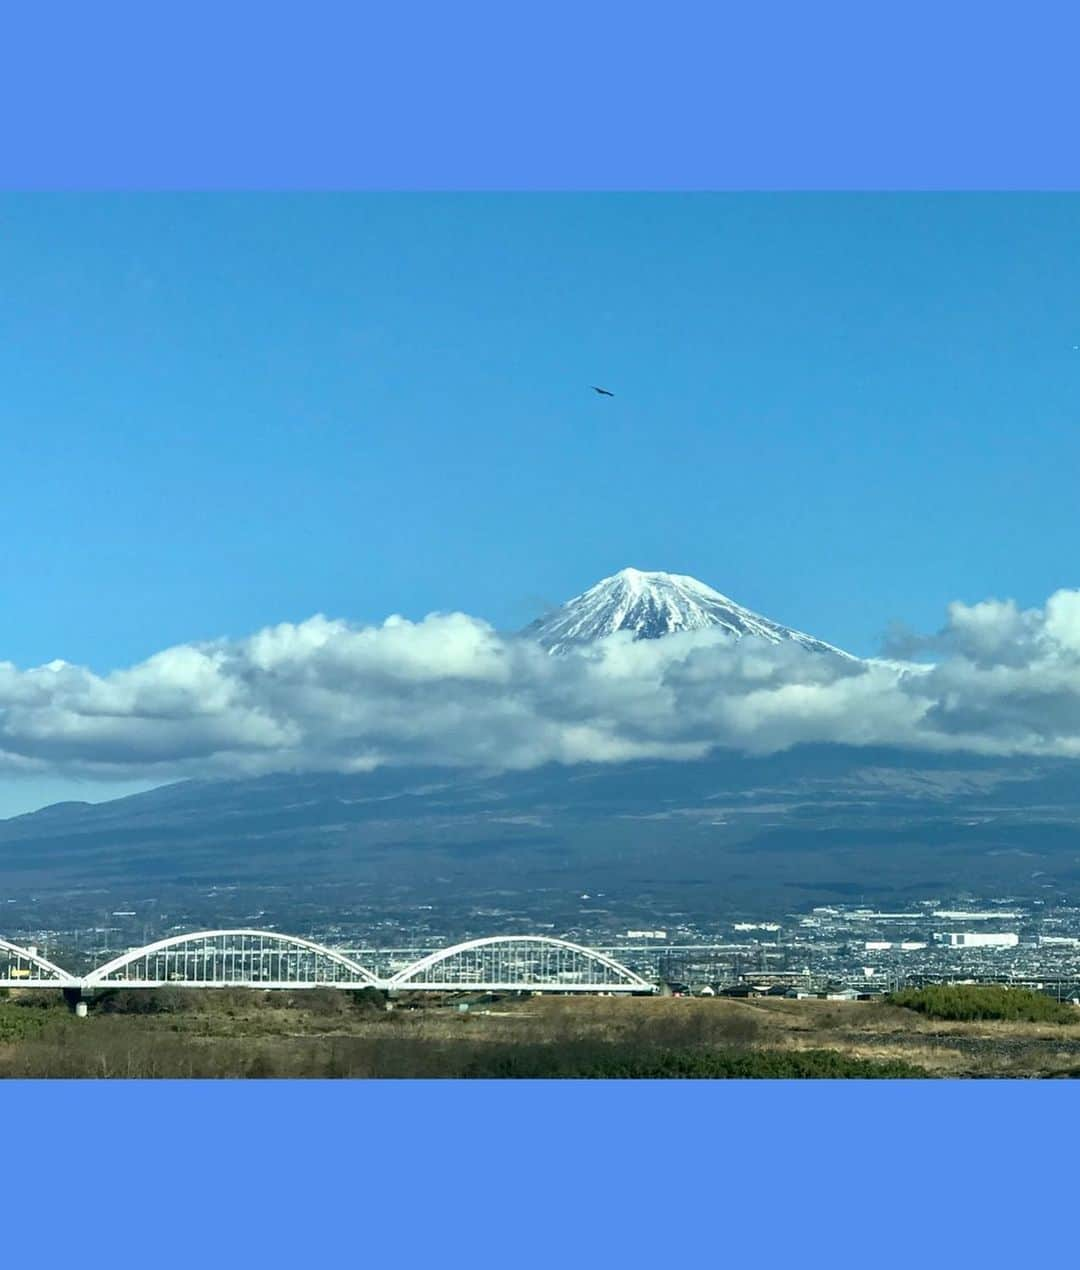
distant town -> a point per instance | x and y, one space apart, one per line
833 950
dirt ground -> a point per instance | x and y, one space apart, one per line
859 1029
323 1033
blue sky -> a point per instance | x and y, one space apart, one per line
221 412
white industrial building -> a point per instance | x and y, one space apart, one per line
982 939
969 915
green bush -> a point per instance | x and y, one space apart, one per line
37 999
754 1064
146 1001
19 1025
970 1002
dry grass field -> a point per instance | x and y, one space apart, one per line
321 1033
857 1029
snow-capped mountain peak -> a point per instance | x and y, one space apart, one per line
653 604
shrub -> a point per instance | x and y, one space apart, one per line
970 1002
754 1064
37 999
19 1025
146 1001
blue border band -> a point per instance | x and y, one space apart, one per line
538 1174
582 95
568 94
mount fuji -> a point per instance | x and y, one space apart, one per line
574 845
655 604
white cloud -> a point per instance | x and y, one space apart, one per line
322 694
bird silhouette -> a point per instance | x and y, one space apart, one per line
602 391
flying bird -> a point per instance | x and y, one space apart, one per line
602 391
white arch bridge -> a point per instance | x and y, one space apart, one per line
267 959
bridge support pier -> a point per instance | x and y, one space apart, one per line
76 999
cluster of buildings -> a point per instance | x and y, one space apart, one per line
850 950
857 951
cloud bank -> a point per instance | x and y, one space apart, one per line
326 695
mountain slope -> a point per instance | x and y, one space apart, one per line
655 604
816 824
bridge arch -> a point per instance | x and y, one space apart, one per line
233 958
526 962
21 968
